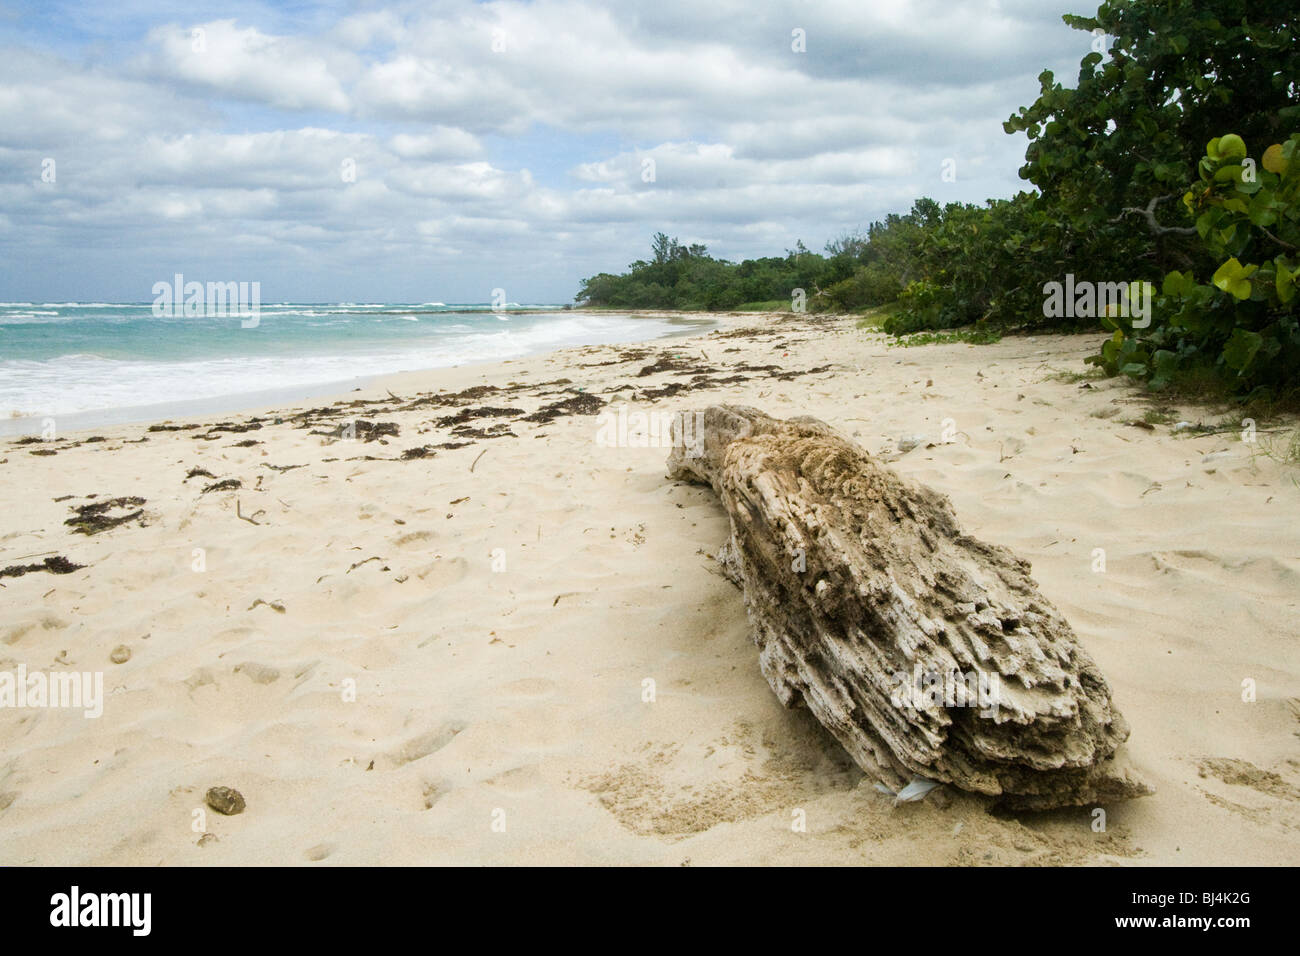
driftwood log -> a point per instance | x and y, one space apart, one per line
925 652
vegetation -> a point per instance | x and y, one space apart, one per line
971 336
1243 322
687 277
1173 161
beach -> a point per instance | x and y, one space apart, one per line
455 617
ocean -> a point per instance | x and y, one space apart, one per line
92 363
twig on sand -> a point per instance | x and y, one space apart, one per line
240 514
39 554
480 455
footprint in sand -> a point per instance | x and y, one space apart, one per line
1243 773
431 791
413 540
518 780
532 687
258 673
443 571
200 678
46 622
319 852
426 743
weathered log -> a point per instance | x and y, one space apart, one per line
924 651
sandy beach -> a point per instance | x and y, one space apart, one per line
415 624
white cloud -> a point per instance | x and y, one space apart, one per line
247 63
443 142
531 155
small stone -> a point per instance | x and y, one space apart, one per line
226 800
120 654
907 443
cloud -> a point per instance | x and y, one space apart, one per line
443 142
374 154
247 63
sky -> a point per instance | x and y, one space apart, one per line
437 151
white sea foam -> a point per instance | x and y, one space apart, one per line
74 383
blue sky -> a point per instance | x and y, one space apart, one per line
489 145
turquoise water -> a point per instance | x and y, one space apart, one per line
69 358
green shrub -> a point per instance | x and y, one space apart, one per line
1243 321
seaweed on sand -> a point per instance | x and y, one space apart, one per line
57 564
469 414
229 484
95 517
583 403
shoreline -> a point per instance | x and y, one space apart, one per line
263 399
384 618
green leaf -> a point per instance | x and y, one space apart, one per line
1234 278
1273 161
1178 284
1285 282
1231 146
1241 349
1261 212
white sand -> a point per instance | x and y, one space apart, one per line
516 695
